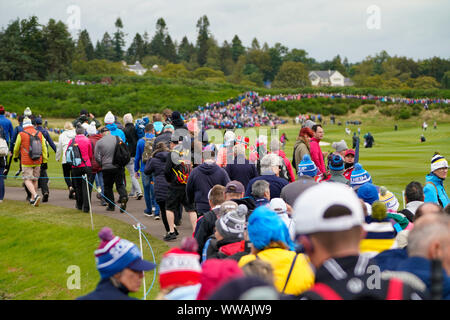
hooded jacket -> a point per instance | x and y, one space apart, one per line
201 180
156 167
430 193
241 172
116 131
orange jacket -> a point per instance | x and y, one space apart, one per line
22 145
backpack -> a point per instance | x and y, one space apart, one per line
73 154
148 149
3 144
121 154
35 149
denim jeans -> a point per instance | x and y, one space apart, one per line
149 194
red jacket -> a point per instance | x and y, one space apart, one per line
316 155
94 138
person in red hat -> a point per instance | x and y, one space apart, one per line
349 161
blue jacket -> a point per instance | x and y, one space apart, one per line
17 129
421 267
390 259
47 137
201 180
107 291
276 184
155 166
8 129
138 164
116 131
430 191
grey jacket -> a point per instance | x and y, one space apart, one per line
337 176
104 152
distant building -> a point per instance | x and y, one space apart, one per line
136 68
330 78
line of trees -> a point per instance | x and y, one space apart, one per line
30 51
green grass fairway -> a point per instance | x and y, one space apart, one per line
39 244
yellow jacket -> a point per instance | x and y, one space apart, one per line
302 276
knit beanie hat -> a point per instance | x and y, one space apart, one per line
359 176
389 200
26 122
307 167
265 226
215 273
27 112
437 162
368 193
180 266
340 146
232 223
158 126
336 163
127 118
378 211
115 254
109 118
309 124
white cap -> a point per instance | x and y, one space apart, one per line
313 203
278 205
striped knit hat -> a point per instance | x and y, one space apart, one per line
359 176
180 266
389 200
307 167
438 162
115 254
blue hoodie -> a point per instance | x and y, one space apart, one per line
116 132
430 191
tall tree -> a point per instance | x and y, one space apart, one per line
118 41
136 51
202 40
185 50
237 49
157 45
170 51
106 48
226 58
292 75
59 49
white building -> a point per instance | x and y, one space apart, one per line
330 78
136 68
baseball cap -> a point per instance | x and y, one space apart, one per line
234 186
278 205
313 208
349 151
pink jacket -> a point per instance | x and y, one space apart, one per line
316 155
86 150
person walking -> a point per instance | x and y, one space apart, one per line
155 168
64 138
241 169
144 151
81 186
434 190
121 268
28 148
112 174
43 178
132 140
202 179
6 133
177 171
97 175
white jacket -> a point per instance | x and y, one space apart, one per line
63 142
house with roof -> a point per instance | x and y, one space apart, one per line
136 68
330 78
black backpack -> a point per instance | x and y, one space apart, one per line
121 154
35 150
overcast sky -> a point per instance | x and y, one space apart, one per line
354 29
